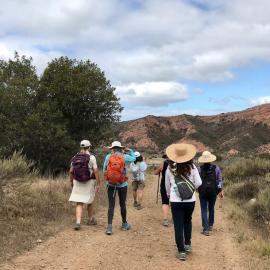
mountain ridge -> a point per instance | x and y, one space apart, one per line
230 133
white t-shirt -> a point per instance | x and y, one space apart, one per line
138 170
194 177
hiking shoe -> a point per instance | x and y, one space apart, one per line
188 248
77 226
205 232
109 229
139 207
135 204
165 222
181 256
125 226
92 221
210 228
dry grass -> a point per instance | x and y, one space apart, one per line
32 211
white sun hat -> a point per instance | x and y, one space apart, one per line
181 152
85 143
116 144
137 154
207 157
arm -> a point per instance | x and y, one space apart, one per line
220 181
95 170
168 182
106 163
130 157
197 178
71 176
159 169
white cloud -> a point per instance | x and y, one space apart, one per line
260 100
140 43
152 94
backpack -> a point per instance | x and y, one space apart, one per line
209 184
80 165
115 169
185 188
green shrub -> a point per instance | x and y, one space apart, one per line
244 169
245 191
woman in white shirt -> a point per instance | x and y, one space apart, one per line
181 166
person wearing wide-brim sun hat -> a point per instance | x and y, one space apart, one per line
212 185
181 167
114 169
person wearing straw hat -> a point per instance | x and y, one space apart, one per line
212 185
114 169
181 180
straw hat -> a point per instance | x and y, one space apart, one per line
116 144
207 157
181 152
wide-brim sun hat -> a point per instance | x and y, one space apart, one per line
137 154
85 143
181 152
116 144
207 157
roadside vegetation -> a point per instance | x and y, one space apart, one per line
248 184
32 208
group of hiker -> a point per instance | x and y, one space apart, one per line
180 178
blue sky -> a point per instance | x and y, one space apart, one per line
163 57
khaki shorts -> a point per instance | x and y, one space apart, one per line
138 185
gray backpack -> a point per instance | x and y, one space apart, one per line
185 188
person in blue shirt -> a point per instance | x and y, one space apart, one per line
128 157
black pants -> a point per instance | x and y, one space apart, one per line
182 216
122 194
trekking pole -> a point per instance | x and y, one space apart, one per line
158 187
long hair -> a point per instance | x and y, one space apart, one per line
182 168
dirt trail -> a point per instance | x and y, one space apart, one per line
148 245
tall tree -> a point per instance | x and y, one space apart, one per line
18 84
80 91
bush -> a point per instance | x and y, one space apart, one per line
16 166
245 191
243 169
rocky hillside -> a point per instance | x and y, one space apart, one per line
244 131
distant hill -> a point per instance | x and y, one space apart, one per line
246 131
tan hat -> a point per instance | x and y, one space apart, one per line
116 144
181 152
207 157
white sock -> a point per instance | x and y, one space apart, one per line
78 221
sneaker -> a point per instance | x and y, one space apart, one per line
181 256
205 232
135 204
210 228
188 248
77 226
92 221
139 207
125 226
165 222
109 229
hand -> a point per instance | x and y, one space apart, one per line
97 188
221 194
71 184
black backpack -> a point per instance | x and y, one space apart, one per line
185 188
209 183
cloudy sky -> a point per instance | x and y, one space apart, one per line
165 57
